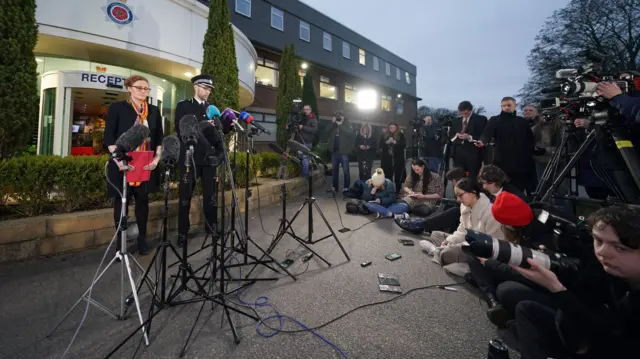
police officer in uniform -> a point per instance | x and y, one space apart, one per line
204 151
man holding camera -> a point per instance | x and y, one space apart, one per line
609 325
628 106
304 133
432 143
341 141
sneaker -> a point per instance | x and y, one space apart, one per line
415 226
427 246
401 216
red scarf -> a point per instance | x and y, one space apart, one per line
146 145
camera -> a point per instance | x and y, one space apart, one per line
338 115
296 115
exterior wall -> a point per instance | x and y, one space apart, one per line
168 30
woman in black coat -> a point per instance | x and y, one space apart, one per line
366 147
121 117
392 158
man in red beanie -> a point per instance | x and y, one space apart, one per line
514 214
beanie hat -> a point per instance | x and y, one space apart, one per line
510 210
377 180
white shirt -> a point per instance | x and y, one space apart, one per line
198 101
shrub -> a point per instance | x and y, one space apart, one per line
34 185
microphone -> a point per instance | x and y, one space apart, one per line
212 112
277 149
229 116
552 89
130 140
188 127
170 150
297 146
248 119
208 132
566 73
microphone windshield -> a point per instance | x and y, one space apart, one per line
209 132
277 149
188 127
170 150
246 117
297 146
212 112
133 137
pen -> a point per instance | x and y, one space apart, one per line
448 288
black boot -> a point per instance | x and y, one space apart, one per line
143 246
182 240
496 313
415 226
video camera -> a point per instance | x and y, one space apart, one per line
296 115
576 96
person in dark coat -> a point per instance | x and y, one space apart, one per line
433 143
392 160
514 144
366 147
121 116
204 153
341 140
465 130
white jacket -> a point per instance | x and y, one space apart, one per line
477 218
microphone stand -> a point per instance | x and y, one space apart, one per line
125 260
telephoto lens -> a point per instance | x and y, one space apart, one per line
484 246
497 350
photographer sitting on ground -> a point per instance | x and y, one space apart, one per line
422 190
446 218
495 181
475 214
380 194
513 214
569 326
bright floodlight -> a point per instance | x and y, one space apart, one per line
367 99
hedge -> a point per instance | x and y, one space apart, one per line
36 185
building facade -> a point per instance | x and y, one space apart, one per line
347 68
86 49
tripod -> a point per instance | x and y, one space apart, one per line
550 171
125 269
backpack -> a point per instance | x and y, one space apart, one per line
356 190
357 206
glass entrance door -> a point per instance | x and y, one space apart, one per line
47 123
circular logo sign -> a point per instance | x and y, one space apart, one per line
119 13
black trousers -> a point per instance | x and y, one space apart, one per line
141 209
537 333
511 294
207 176
365 162
522 181
443 221
492 273
468 158
396 172
422 210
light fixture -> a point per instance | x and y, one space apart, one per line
332 88
39 59
399 95
163 80
304 65
367 99
264 80
188 74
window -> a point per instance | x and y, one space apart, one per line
267 72
305 31
346 50
243 7
397 74
407 78
326 89
399 107
277 19
385 102
387 69
350 94
376 65
326 41
363 57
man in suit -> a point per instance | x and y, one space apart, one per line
467 129
514 144
204 151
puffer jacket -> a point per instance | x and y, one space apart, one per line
477 218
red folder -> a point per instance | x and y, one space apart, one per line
139 159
